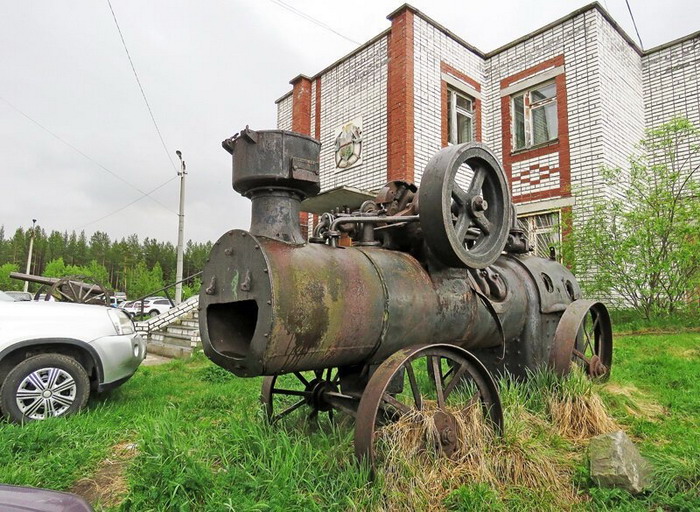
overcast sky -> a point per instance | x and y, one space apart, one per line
208 68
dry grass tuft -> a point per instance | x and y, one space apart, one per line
580 417
547 420
635 402
417 476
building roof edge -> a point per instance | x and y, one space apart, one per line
573 14
680 40
283 97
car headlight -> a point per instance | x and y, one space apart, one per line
122 323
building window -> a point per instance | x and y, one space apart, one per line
543 232
460 117
535 116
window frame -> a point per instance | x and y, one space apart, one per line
453 109
532 231
528 108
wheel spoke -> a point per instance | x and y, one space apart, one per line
437 376
64 294
292 392
49 409
64 386
33 407
414 386
477 180
403 409
462 227
301 378
459 195
455 380
35 380
25 394
480 220
66 401
288 410
53 376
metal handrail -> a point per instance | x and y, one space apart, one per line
165 290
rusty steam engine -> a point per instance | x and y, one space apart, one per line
436 291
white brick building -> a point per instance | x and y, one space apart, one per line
556 105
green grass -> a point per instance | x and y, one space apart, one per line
202 443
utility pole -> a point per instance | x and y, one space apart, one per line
180 230
29 256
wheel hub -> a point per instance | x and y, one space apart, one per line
318 388
446 426
596 368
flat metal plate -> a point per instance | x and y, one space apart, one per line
336 197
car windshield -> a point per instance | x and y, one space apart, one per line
5 297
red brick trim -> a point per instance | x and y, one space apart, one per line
446 68
301 105
560 146
400 107
556 61
317 104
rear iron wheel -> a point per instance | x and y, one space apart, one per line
401 386
299 393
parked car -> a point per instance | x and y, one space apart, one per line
20 295
52 354
152 306
31 499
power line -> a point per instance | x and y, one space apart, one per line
138 81
635 25
312 20
84 155
126 206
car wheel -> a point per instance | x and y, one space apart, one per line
153 313
44 386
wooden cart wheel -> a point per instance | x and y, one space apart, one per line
299 393
401 384
584 337
80 290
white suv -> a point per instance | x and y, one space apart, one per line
152 306
52 354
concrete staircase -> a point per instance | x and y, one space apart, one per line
174 333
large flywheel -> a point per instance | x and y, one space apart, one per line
465 206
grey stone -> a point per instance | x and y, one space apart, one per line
616 462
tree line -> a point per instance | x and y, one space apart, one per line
130 265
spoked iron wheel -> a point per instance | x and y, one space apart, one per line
402 385
584 337
299 393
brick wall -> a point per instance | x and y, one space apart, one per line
672 86
621 101
549 171
284 113
607 94
433 50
